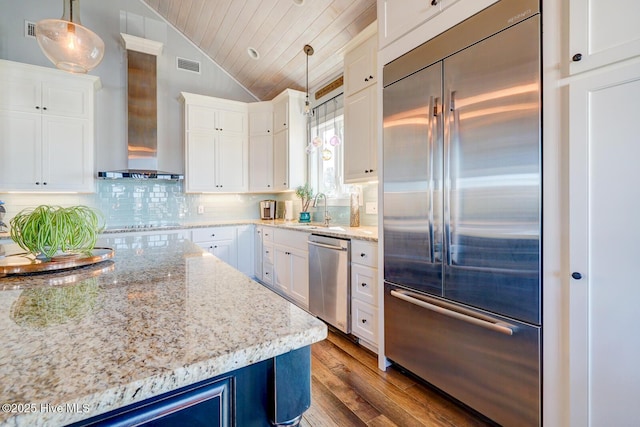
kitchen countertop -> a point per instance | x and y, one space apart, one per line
362 233
159 316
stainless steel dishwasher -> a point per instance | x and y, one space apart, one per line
330 280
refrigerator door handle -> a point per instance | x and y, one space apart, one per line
459 313
432 141
452 124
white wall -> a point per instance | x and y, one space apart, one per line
108 19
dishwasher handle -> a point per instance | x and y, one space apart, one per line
324 245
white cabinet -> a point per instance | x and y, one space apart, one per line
397 18
290 264
216 145
261 146
364 292
46 129
289 141
602 33
604 234
360 112
360 146
231 244
360 66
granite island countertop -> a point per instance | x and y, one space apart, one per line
159 316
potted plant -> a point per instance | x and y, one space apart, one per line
305 193
47 230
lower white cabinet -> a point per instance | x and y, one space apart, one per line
233 245
284 263
364 292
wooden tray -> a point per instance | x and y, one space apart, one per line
27 263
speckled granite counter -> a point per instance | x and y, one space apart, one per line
159 316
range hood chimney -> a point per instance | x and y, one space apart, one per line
142 112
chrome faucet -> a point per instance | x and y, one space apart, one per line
327 217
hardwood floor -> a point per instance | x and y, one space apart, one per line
348 390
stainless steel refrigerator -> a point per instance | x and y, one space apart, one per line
462 209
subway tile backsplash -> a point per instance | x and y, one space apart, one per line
138 203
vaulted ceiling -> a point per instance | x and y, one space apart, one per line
277 30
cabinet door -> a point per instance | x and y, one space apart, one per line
400 17
225 250
244 249
299 284
67 153
261 122
602 32
18 92
360 67
604 203
20 151
200 160
280 115
261 163
281 161
231 163
201 118
360 136
232 121
282 269
67 98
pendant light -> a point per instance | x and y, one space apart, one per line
308 111
69 45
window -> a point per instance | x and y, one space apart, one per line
325 149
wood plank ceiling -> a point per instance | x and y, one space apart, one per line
277 30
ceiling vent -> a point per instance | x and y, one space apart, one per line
188 65
30 29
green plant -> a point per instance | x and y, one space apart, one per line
48 229
305 193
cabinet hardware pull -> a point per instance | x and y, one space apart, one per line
577 57
371 77
44 183
44 108
363 284
363 255
366 79
37 182
576 275
364 320
37 108
434 2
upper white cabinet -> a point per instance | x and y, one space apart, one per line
216 145
602 33
261 146
360 66
289 140
46 129
399 17
360 111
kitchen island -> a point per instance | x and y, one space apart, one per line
161 319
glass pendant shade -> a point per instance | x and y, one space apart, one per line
69 45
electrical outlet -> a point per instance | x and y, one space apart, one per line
200 209
371 208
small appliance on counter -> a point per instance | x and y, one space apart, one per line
268 209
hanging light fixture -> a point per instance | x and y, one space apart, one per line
69 45
308 111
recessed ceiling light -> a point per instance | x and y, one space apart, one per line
253 54
298 2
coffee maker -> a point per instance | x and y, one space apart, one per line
268 209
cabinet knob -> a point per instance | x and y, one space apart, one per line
370 77
577 57
44 108
364 320
213 235
366 79
576 275
268 185
44 183
362 255
37 107
434 2
364 285
268 131
37 182
366 171
215 247
266 273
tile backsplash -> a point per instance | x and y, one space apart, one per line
157 203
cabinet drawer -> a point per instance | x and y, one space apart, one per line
267 253
364 321
291 239
213 233
364 284
267 273
365 253
267 234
